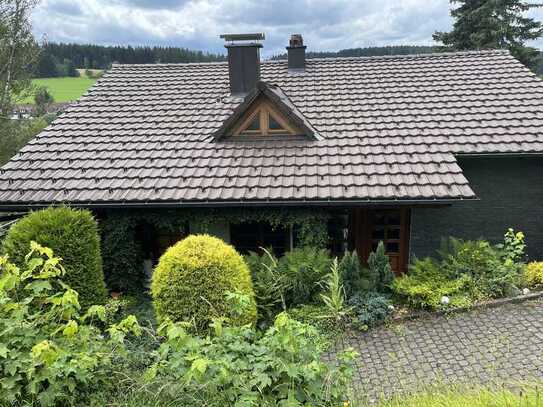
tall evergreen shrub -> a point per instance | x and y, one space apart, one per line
73 236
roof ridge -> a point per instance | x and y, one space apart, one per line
372 57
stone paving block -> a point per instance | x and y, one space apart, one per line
476 347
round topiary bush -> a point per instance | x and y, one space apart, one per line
192 278
73 236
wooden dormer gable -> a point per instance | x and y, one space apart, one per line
266 112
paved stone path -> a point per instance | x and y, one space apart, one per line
502 344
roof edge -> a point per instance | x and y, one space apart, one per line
238 203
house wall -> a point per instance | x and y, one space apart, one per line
511 195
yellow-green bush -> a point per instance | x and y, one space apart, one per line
192 278
534 274
73 235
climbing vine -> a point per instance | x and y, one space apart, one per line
123 255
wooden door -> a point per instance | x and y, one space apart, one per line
390 226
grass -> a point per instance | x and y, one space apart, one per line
63 89
523 395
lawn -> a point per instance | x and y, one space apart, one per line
64 89
519 395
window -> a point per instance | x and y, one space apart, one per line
250 237
263 120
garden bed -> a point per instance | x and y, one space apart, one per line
407 314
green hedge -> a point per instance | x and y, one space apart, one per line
73 236
192 278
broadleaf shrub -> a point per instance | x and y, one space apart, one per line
534 274
240 366
50 354
73 236
192 277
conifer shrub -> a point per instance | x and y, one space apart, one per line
192 279
73 235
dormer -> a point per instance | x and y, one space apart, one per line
266 112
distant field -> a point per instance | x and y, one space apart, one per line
64 89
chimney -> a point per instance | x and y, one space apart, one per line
243 61
296 53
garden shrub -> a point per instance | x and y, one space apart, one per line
269 285
240 366
370 309
355 278
303 269
50 354
192 277
317 316
492 272
533 276
73 236
380 272
426 284
122 255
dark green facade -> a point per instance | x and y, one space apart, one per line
510 192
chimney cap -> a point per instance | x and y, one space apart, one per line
296 41
243 37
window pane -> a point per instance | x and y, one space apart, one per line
255 124
392 247
274 124
247 237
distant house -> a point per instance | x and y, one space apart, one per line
27 111
399 149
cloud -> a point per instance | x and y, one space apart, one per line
326 25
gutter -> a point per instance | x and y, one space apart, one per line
239 203
497 155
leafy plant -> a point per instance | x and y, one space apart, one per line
492 273
50 354
370 309
73 236
318 316
333 295
239 366
303 270
380 272
192 277
513 246
269 284
533 276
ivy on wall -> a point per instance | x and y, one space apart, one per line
123 254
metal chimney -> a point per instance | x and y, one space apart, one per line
243 61
296 53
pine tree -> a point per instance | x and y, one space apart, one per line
494 24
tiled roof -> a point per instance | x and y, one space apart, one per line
389 128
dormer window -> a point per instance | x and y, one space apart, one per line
264 121
266 112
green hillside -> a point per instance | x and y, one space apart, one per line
64 89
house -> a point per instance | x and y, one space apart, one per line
399 149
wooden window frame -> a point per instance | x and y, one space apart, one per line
265 109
